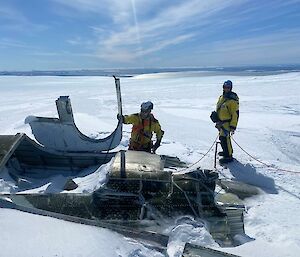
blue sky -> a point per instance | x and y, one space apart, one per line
92 34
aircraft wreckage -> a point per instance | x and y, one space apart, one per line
139 186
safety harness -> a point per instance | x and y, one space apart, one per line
141 133
226 132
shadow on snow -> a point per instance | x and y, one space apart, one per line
248 174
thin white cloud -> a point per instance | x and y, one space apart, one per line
80 41
128 36
83 5
165 43
119 11
167 26
9 43
135 29
12 19
276 47
125 55
10 14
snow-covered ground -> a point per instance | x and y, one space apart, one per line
268 129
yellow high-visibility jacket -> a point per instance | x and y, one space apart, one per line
142 129
228 110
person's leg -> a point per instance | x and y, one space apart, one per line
134 146
229 146
224 145
147 147
226 140
227 149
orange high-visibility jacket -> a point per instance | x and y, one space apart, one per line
142 130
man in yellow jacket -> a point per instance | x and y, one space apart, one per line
144 124
227 119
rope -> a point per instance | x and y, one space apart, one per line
193 164
203 184
187 198
263 163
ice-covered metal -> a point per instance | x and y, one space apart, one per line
62 134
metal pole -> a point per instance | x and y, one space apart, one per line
119 98
216 150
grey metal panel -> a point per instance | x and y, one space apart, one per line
21 203
30 155
139 161
191 250
8 144
62 134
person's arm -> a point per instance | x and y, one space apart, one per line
131 119
159 134
234 111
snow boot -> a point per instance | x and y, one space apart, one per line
225 160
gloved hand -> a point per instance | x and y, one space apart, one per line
218 125
155 146
120 117
232 130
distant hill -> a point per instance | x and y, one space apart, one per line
242 70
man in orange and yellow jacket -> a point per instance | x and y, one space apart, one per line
144 125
